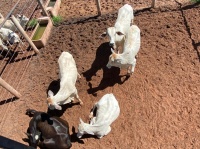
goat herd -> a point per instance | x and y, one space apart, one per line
53 132
7 32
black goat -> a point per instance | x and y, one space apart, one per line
48 132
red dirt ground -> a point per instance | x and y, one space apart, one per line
159 103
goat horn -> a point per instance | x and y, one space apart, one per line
28 134
112 51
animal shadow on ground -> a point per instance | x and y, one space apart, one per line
110 76
54 87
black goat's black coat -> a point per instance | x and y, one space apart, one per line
51 132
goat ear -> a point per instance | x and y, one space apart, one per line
58 107
49 100
103 34
50 93
112 58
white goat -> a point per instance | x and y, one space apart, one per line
7 35
10 25
107 112
131 47
68 76
124 20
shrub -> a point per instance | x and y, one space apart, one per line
197 1
32 23
56 20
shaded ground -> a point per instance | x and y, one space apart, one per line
159 102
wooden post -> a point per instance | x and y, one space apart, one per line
9 88
42 7
14 20
98 7
153 3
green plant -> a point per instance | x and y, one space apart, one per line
32 23
56 20
197 1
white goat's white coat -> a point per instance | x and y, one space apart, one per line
124 20
107 112
10 25
68 76
131 47
7 35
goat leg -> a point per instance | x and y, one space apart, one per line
77 97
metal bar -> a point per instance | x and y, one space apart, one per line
24 34
9 88
11 11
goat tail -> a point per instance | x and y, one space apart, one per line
30 112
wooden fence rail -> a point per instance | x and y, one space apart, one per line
14 20
5 85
